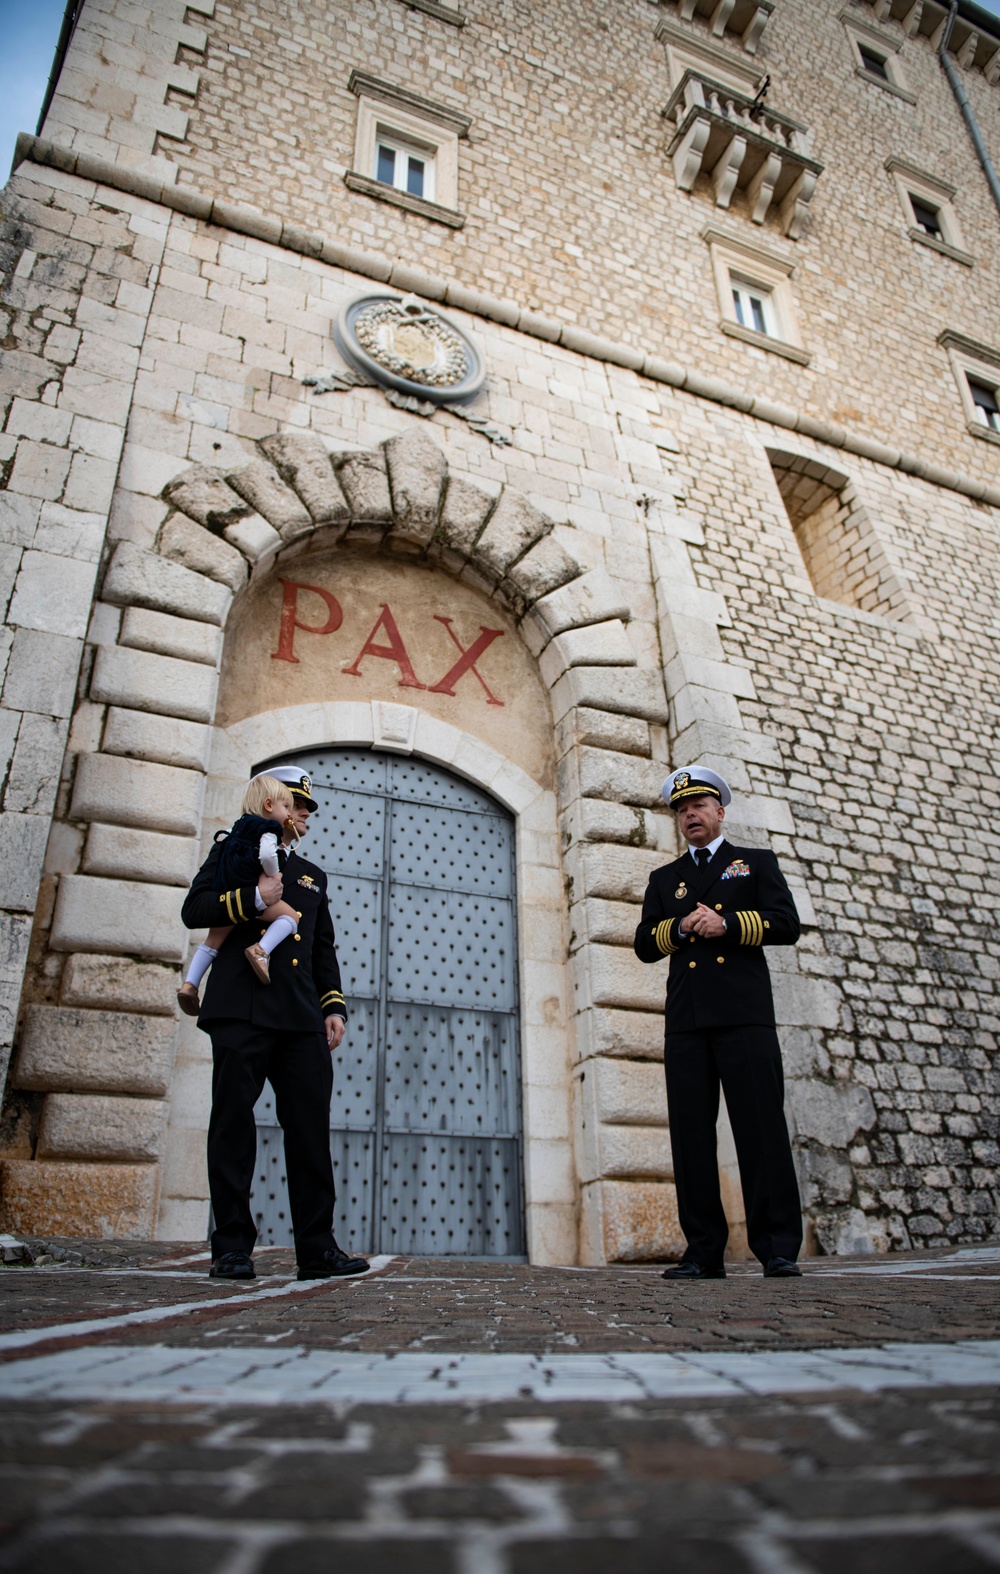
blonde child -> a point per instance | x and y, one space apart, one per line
253 845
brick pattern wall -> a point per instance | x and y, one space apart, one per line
570 200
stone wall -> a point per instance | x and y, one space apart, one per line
649 531
570 201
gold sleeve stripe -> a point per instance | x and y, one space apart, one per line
239 906
663 937
751 928
229 907
331 994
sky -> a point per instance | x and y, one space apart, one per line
29 30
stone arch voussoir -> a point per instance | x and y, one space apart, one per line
230 524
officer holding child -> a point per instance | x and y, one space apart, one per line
280 1025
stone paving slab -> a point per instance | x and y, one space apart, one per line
459 1417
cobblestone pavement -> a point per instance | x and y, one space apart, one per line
443 1417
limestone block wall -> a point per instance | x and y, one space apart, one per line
571 207
671 619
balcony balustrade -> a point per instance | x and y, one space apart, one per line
741 145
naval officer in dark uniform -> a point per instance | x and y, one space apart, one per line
284 1032
711 912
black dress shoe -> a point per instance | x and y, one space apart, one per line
693 1270
781 1268
232 1265
333 1264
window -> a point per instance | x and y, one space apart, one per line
876 56
404 168
927 207
752 304
406 150
984 397
976 368
928 218
873 63
753 284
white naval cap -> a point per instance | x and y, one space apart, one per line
695 781
297 779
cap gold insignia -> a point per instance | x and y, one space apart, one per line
682 781
681 891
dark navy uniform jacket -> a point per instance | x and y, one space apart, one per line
305 982
723 982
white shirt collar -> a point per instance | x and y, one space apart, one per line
712 847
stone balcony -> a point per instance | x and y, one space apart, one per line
743 19
741 145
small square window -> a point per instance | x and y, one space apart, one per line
987 405
404 168
928 218
976 369
753 306
876 57
926 203
753 284
874 63
406 150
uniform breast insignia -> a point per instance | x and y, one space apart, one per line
681 891
737 869
308 881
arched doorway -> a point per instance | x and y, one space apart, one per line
426 1111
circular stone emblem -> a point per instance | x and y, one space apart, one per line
402 344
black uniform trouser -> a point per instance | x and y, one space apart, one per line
747 1063
299 1067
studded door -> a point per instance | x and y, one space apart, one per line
426 1110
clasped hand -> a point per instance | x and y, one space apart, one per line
269 886
704 922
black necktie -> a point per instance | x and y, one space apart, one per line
701 856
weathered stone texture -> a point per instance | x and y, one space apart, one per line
95 1050
95 1201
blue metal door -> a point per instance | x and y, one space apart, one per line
426 1111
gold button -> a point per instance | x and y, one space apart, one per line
692 964
298 915
263 933
298 937
295 961
718 907
766 924
720 959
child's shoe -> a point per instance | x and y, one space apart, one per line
187 999
259 961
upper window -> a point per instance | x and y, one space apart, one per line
753 283
874 63
406 150
753 306
984 399
404 168
976 368
927 207
876 56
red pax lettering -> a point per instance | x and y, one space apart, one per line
393 650
290 620
468 660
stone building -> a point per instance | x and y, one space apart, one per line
492 405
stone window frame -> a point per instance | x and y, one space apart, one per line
443 13
912 182
403 117
861 35
685 53
762 267
981 363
